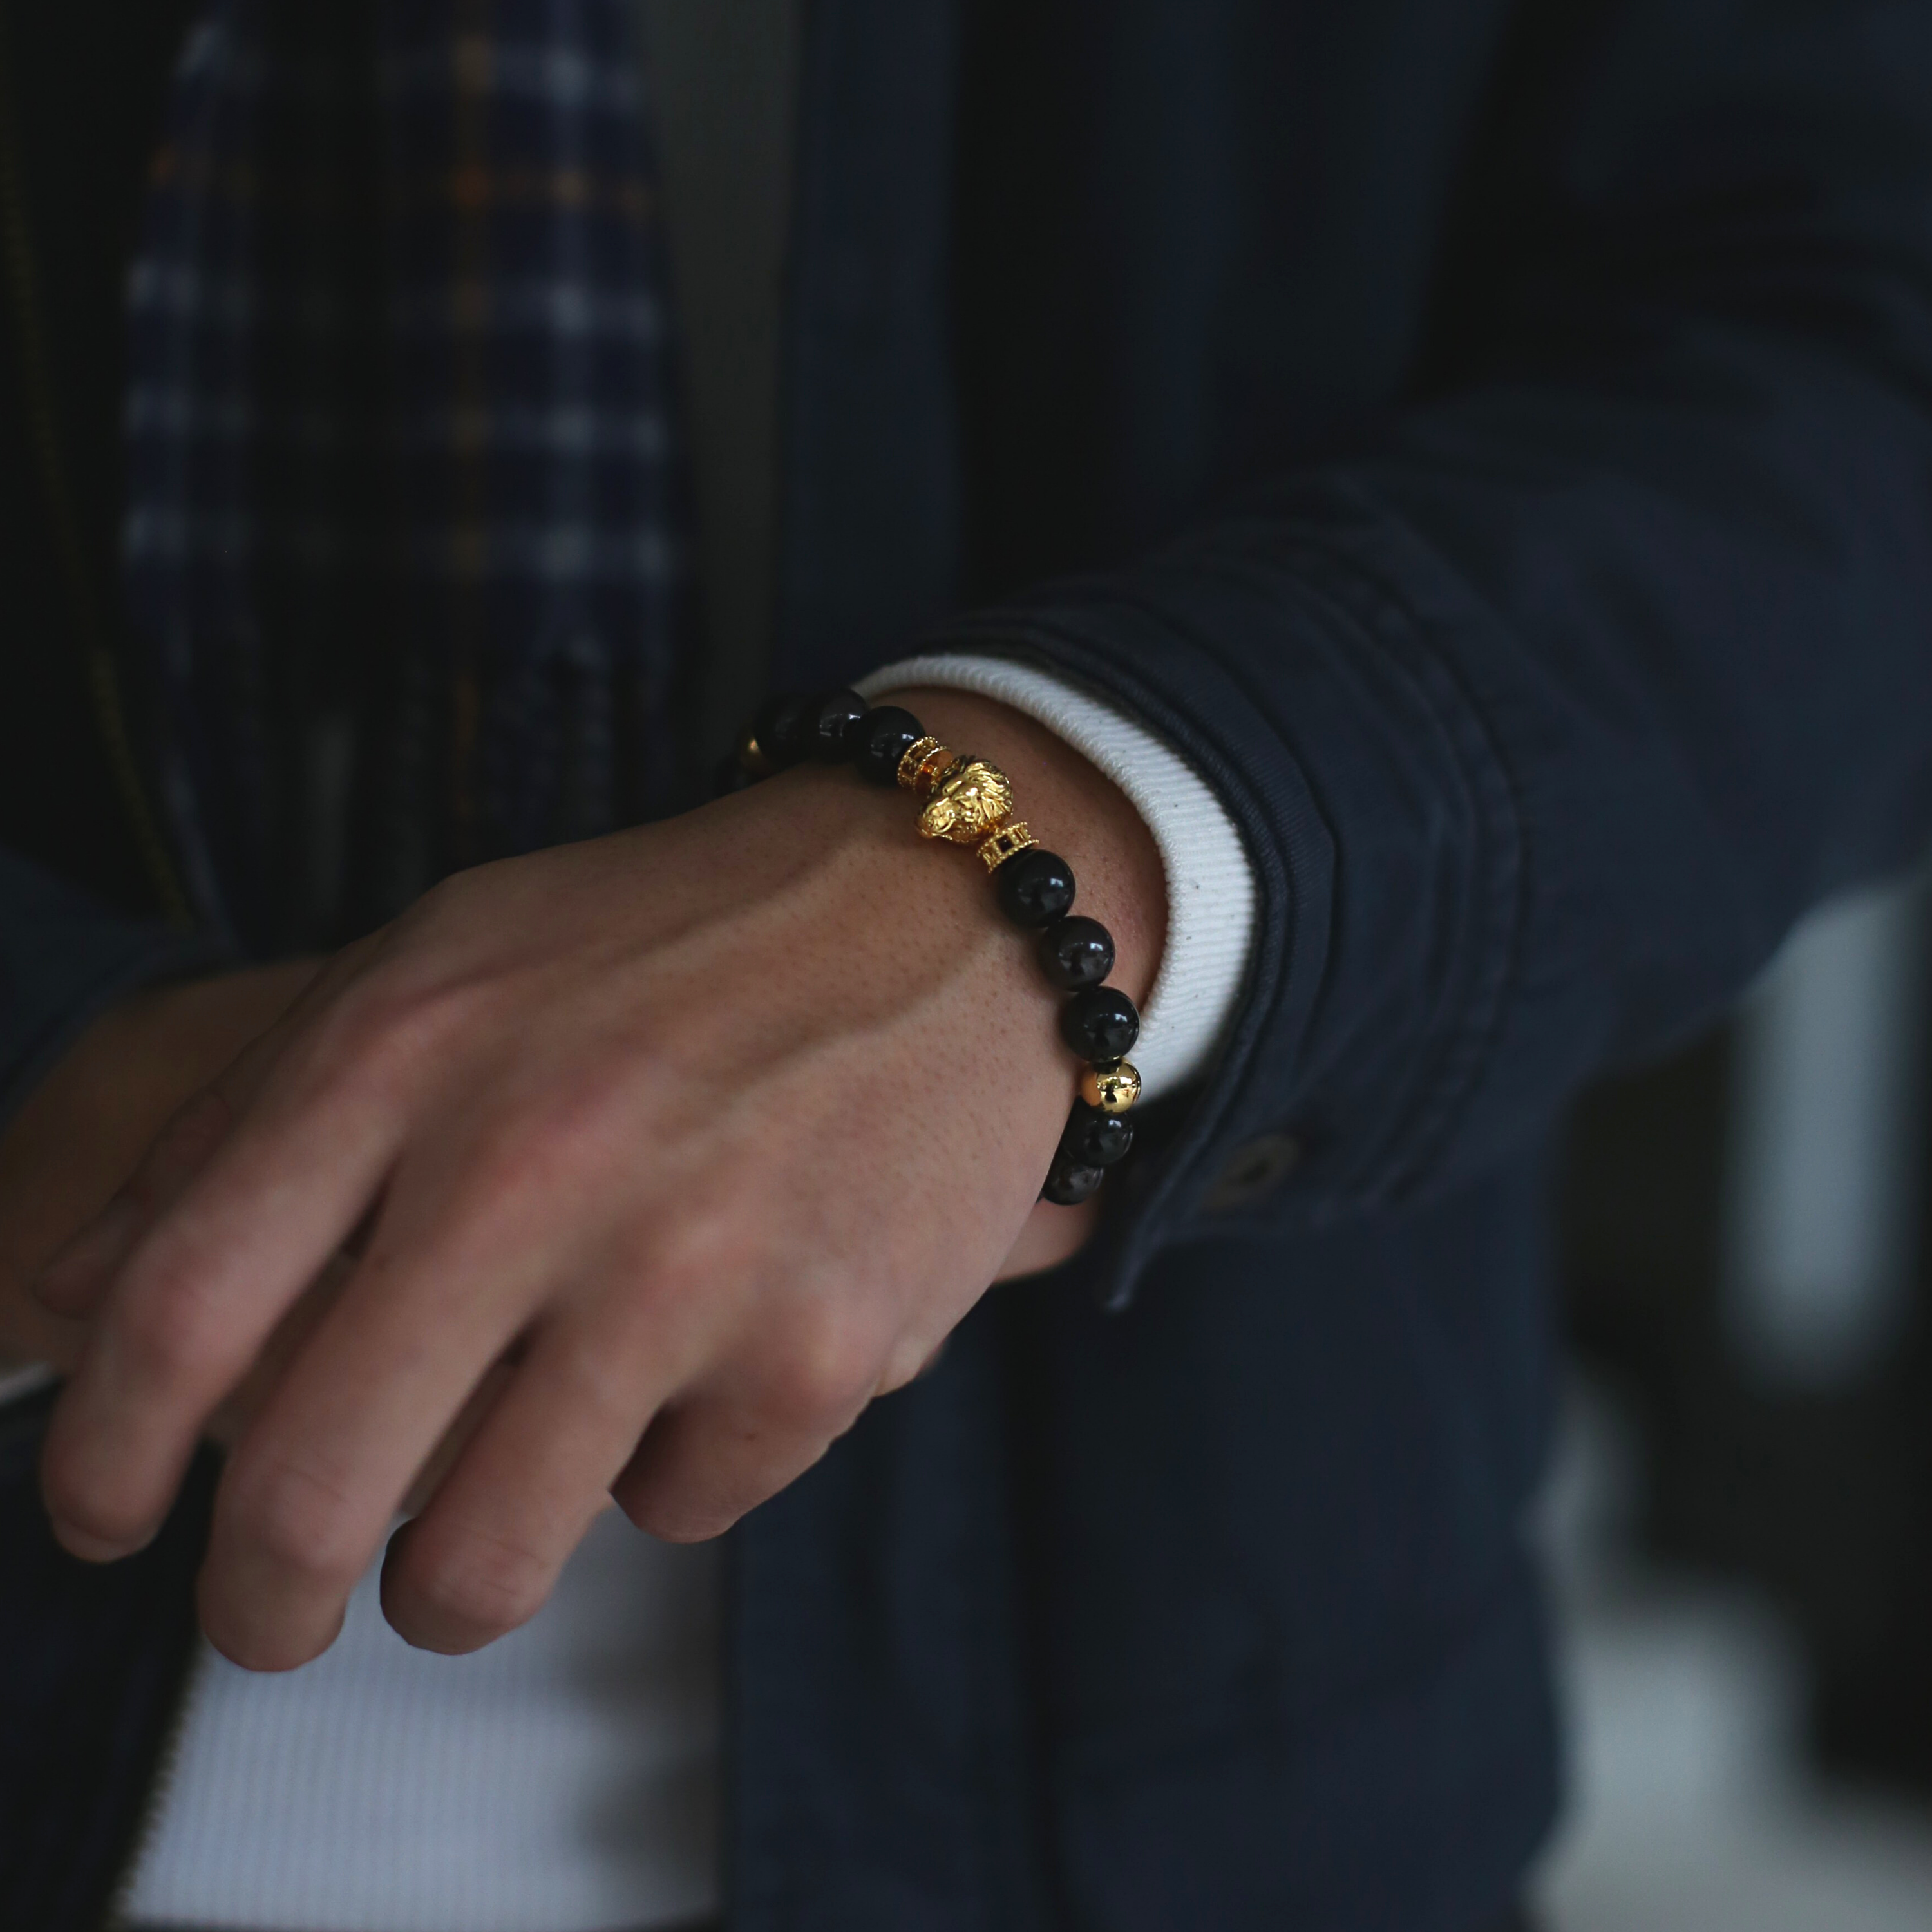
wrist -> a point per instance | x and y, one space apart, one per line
977 765
1076 810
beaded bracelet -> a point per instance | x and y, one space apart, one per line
969 802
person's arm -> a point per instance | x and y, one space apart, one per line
1544 711
660 1155
1539 719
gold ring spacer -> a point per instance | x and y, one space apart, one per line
1008 842
932 770
918 755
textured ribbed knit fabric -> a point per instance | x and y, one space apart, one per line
564 1780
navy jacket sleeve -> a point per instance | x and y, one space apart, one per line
64 958
1545 709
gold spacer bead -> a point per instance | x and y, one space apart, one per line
921 767
753 758
933 769
1113 1088
915 754
1008 842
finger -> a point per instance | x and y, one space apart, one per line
717 1452
312 1488
76 1278
258 1646
243 1403
458 1435
701 1467
74 1282
205 1286
485 1553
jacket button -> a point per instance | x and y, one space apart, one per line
1257 1169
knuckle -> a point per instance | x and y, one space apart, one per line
685 1255
181 1147
523 1155
682 1489
672 1520
92 1502
386 1026
576 1127
163 1328
488 1582
300 1520
821 1372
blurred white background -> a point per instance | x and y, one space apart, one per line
1691 1809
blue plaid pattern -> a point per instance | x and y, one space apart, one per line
404 544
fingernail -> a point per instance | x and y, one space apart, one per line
78 1275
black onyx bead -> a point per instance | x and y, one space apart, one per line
1069 1183
783 729
1100 1023
1035 888
831 716
1095 1139
1076 952
879 739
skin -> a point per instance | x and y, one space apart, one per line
81 1134
635 1168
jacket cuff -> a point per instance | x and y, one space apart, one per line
1211 895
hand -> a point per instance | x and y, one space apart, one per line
83 1130
663 1153
77 1141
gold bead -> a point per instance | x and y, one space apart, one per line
1113 1088
1008 842
933 769
913 757
752 757
968 802
925 759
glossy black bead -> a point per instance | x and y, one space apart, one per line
1076 952
783 729
728 775
1095 1139
1100 1023
1069 1183
1035 888
879 739
834 714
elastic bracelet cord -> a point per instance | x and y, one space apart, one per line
968 802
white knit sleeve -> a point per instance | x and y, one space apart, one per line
1210 884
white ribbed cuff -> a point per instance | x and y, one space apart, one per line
1211 885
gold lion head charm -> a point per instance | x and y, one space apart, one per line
967 802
